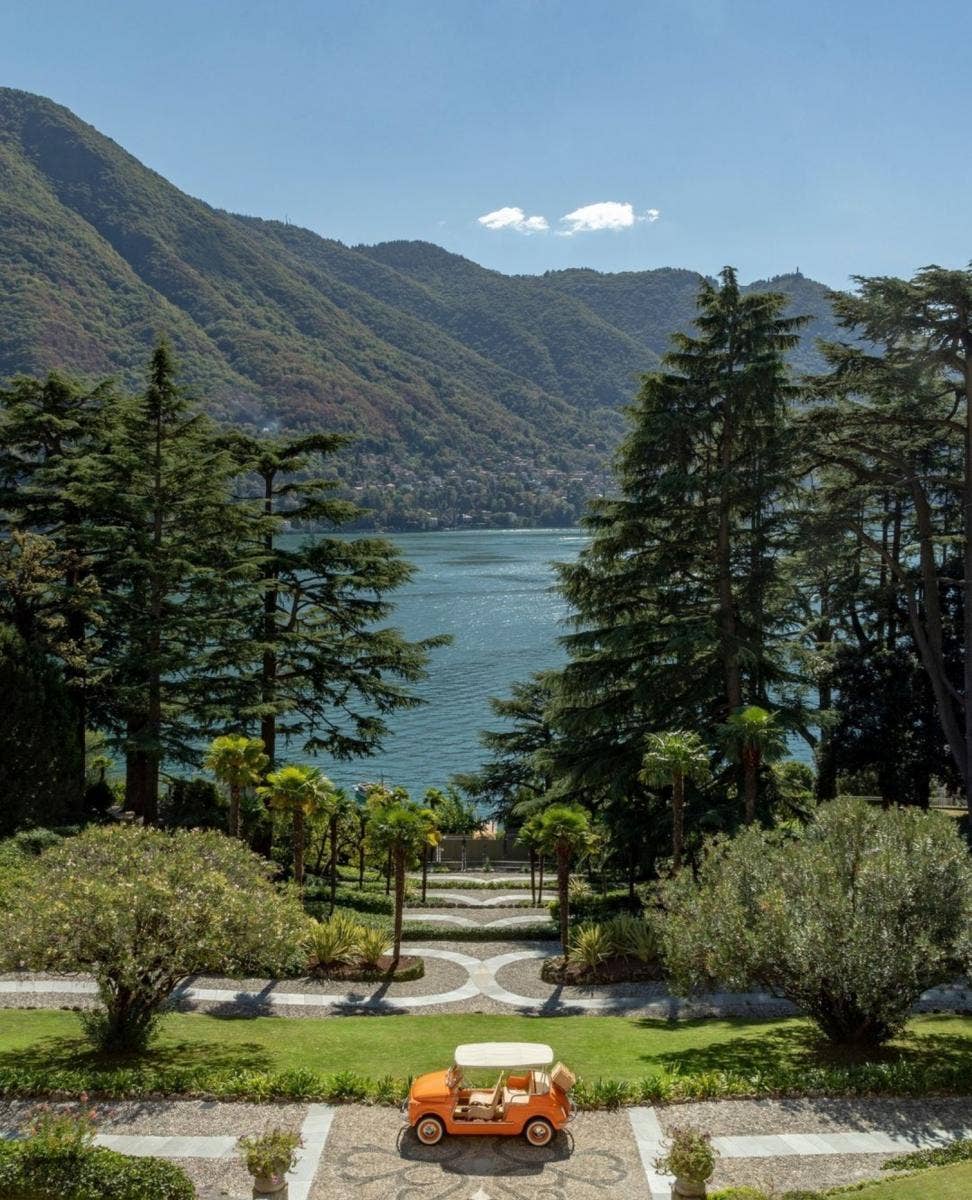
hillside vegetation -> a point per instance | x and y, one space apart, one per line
476 397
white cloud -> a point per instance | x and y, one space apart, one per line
514 218
607 214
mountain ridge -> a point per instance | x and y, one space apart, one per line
476 397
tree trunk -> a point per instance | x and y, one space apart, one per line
967 580
533 877
726 610
826 787
333 829
388 873
399 904
750 782
425 868
361 852
150 811
268 668
540 881
563 897
299 847
678 821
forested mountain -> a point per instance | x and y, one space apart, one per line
476 396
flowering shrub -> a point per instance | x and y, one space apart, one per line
140 909
851 919
57 1157
62 1130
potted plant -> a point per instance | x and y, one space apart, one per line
269 1156
691 1159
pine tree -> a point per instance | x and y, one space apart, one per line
515 778
893 429
326 672
679 615
51 432
175 573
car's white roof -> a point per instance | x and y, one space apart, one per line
504 1054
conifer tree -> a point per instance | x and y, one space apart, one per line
679 615
326 672
175 573
893 428
515 778
51 431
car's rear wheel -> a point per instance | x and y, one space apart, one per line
429 1130
538 1132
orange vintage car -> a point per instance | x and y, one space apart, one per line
529 1097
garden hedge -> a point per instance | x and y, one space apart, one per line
29 1173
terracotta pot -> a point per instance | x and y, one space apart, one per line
269 1185
688 1188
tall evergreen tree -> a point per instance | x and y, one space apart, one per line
680 617
51 431
515 778
176 574
327 672
894 426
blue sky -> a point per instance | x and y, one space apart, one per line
770 134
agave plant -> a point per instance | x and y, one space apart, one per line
634 937
371 945
590 945
333 941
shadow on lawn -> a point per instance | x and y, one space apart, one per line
62 1053
801 1045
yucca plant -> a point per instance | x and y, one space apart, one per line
333 941
634 937
590 945
371 945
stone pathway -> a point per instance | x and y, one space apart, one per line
353 1152
499 977
471 900
482 920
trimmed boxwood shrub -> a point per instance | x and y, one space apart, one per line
596 907
318 902
31 1173
417 931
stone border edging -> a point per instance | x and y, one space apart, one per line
482 981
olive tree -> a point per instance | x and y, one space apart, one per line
142 908
851 919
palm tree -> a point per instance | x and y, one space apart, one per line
752 737
566 831
239 763
400 830
670 759
433 798
531 836
336 805
299 791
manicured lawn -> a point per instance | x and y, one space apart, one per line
941 1183
594 1046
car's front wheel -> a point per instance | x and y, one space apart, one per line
538 1132
429 1130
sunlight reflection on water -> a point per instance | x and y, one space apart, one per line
492 590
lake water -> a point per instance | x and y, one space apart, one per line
492 591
